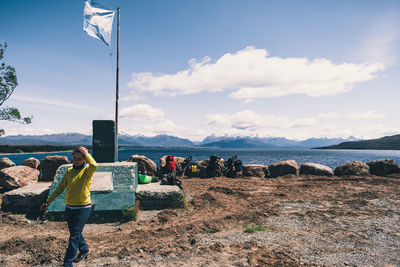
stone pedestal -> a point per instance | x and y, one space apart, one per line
27 199
112 190
154 196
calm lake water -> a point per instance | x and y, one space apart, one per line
331 158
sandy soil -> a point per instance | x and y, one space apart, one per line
307 221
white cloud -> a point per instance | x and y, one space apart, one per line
365 115
328 115
133 96
165 127
142 112
251 74
251 122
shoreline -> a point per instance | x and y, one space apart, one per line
39 152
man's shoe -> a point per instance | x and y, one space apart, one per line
81 256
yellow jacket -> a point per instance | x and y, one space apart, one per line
76 184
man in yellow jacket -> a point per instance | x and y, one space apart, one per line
76 183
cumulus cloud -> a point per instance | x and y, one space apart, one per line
142 112
250 73
365 115
250 121
164 126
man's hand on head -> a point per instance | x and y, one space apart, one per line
83 150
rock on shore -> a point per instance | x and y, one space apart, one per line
253 170
49 166
17 176
178 165
315 169
6 162
352 168
31 162
145 165
283 168
383 166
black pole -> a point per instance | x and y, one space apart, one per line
117 90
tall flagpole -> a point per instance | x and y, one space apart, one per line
117 89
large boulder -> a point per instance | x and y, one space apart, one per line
6 162
17 176
352 168
203 165
208 171
49 166
145 165
178 165
255 170
27 199
193 170
283 168
383 166
31 162
315 169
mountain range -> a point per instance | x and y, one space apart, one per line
268 142
168 140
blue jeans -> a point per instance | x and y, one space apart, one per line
76 219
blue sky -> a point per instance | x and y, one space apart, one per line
296 69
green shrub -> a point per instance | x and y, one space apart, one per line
180 202
252 228
130 213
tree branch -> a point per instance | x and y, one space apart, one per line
13 114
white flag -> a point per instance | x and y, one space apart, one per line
97 22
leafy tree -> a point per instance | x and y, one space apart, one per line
8 82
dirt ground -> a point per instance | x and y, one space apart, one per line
303 221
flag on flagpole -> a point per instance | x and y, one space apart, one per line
97 21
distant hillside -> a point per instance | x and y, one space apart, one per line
34 148
238 143
384 143
81 139
48 139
